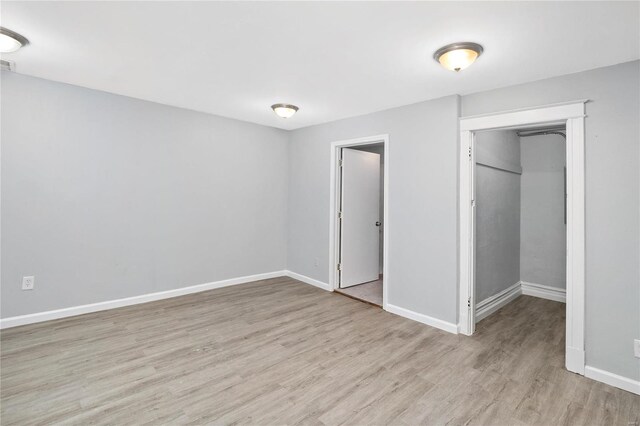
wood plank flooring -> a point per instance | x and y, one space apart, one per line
282 352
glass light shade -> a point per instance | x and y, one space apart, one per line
8 44
459 59
10 41
458 56
284 110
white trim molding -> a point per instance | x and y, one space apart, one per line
542 115
334 226
308 280
575 190
424 319
612 379
134 300
397 310
497 301
544 291
572 115
493 303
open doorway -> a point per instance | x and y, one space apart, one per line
520 224
358 219
570 117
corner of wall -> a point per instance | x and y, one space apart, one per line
287 228
459 114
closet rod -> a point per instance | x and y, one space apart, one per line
525 134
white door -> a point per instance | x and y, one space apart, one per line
360 207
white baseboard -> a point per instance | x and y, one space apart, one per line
128 301
544 291
424 319
434 322
612 379
307 280
497 301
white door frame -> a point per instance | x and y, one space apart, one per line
334 202
572 114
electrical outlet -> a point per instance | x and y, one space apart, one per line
28 283
316 262
636 348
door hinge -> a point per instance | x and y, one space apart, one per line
339 267
339 215
469 153
340 163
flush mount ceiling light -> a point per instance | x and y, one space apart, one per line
284 110
458 56
10 41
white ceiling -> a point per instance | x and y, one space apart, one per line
333 60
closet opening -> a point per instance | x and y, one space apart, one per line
502 254
520 232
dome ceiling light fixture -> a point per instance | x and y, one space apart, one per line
284 110
11 41
458 56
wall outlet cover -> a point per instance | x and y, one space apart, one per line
28 283
636 348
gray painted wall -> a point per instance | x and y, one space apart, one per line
105 197
497 213
543 242
612 132
422 225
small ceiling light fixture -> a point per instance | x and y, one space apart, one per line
458 56
284 110
10 41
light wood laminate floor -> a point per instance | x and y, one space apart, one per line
282 352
